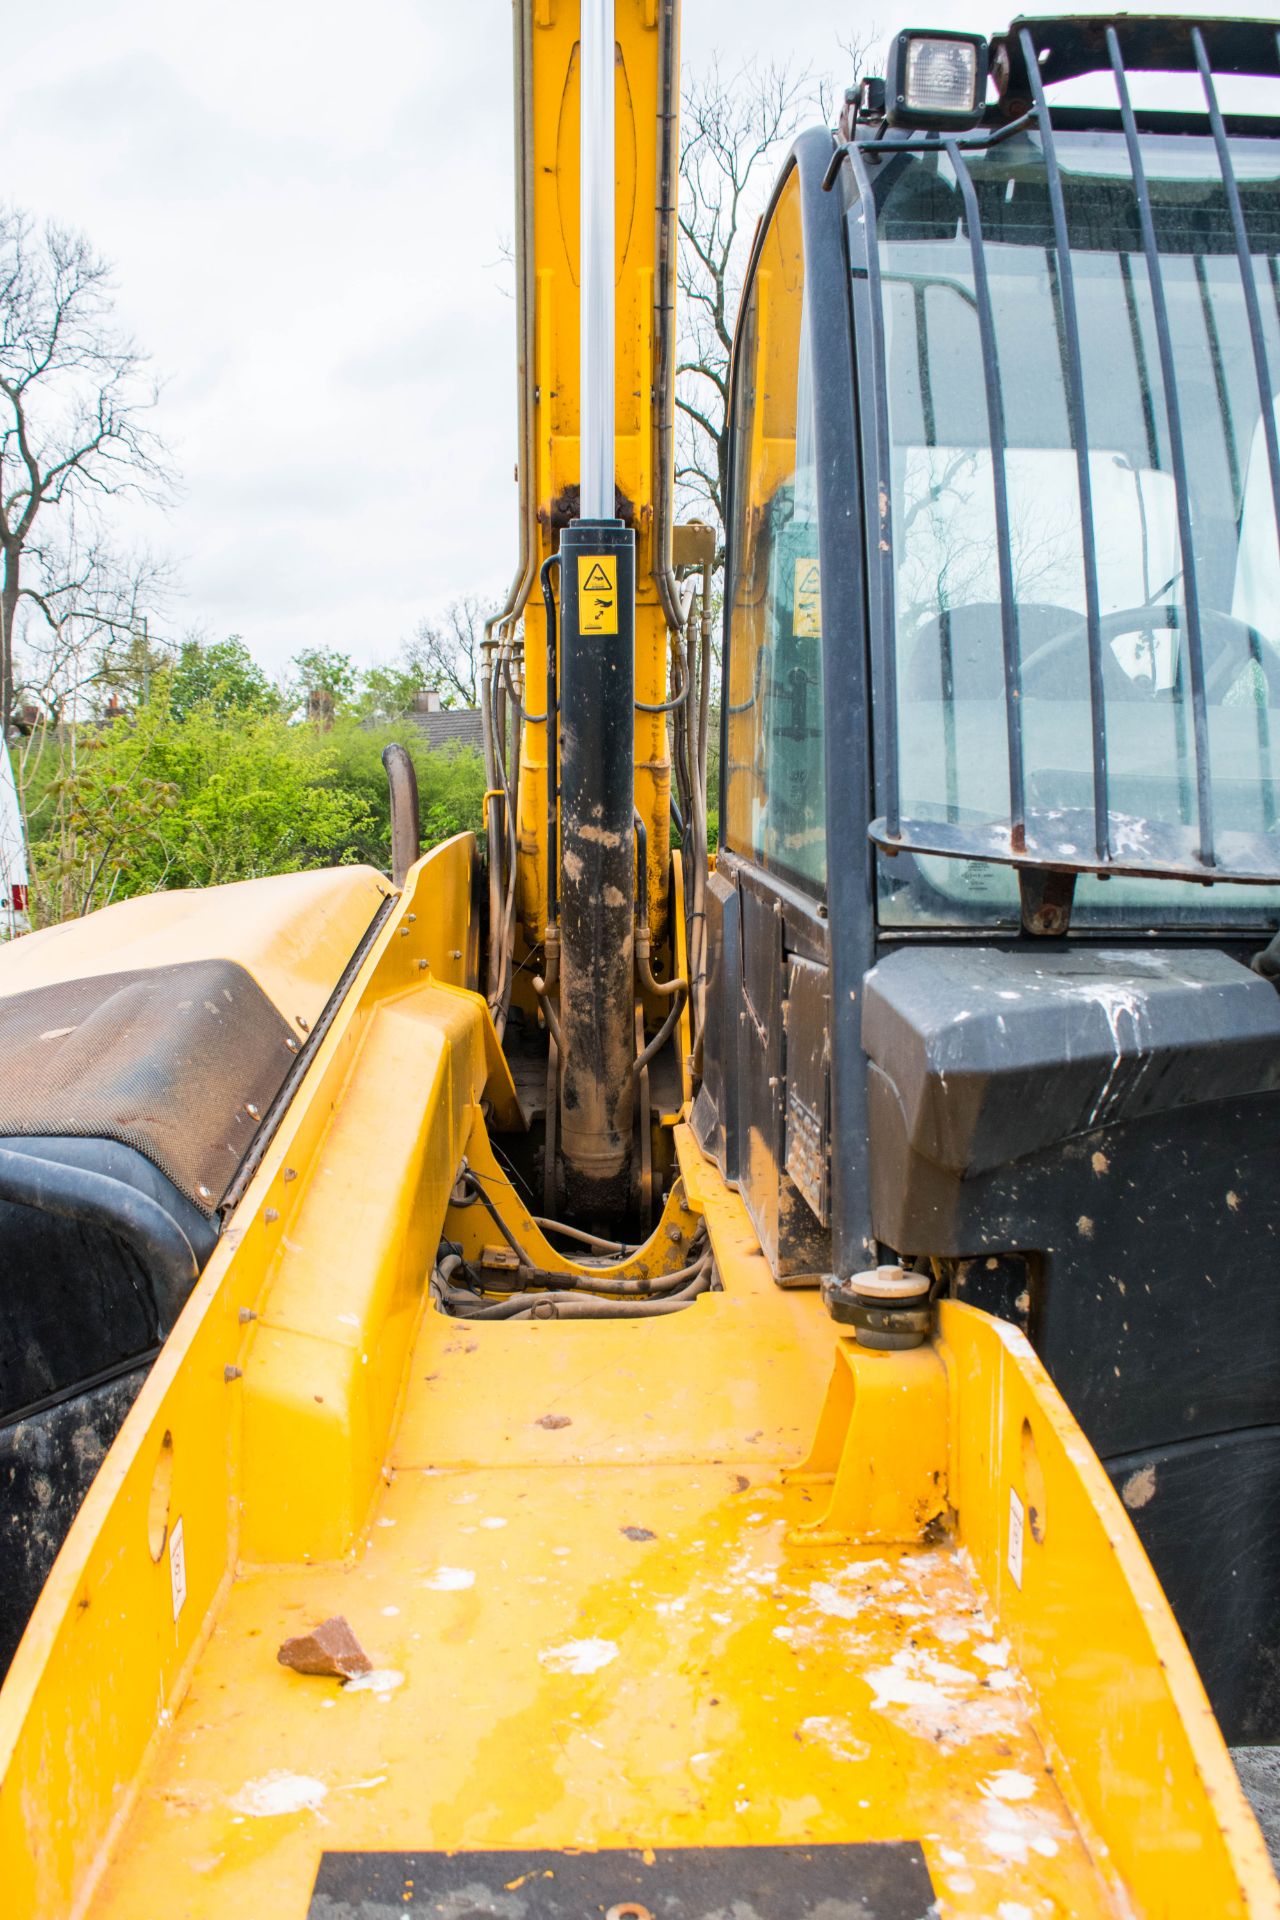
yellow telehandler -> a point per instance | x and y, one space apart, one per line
592 1382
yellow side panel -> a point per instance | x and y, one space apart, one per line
294 933
1127 1718
110 1645
328 1359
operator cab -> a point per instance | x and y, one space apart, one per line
1000 768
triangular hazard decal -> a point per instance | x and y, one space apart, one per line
596 579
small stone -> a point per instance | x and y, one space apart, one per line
331 1648
639 1533
553 1421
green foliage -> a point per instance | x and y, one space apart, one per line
221 675
325 670
194 792
387 692
451 784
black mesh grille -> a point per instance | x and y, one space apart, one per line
168 1060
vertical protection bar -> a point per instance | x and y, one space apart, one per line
597 193
1140 363
1266 396
1000 491
882 555
946 658
1248 284
1073 369
1177 457
1214 338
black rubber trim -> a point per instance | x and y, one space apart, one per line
138 1363
77 1193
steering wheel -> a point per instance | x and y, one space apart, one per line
1228 644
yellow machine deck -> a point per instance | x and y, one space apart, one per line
586 1448
718 1581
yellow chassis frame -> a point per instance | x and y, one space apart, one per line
268 1423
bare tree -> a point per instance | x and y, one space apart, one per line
81 630
734 133
74 400
444 653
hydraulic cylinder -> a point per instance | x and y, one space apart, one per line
597 864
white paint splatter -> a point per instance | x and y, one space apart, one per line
993 1653
1009 1784
835 1735
1013 1910
1114 1001
379 1680
1008 1843
827 1600
495 1520
579 1656
897 1686
279 1792
450 1579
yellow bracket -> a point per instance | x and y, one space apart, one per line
880 1448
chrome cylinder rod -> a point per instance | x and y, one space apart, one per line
596 264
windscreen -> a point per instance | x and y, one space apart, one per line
979 675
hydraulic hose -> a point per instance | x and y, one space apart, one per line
553 742
582 1306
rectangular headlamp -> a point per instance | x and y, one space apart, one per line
936 79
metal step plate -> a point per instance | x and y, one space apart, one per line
873 1880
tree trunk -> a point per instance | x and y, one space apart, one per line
8 621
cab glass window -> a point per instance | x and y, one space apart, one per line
952 727
774 787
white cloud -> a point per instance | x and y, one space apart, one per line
305 204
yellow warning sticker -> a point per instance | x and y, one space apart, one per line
597 592
806 614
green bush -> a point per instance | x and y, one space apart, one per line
216 789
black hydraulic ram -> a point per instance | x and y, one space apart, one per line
597 784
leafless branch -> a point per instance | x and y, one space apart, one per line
734 133
75 406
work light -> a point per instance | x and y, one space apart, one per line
936 79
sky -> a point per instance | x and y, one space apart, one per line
307 208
